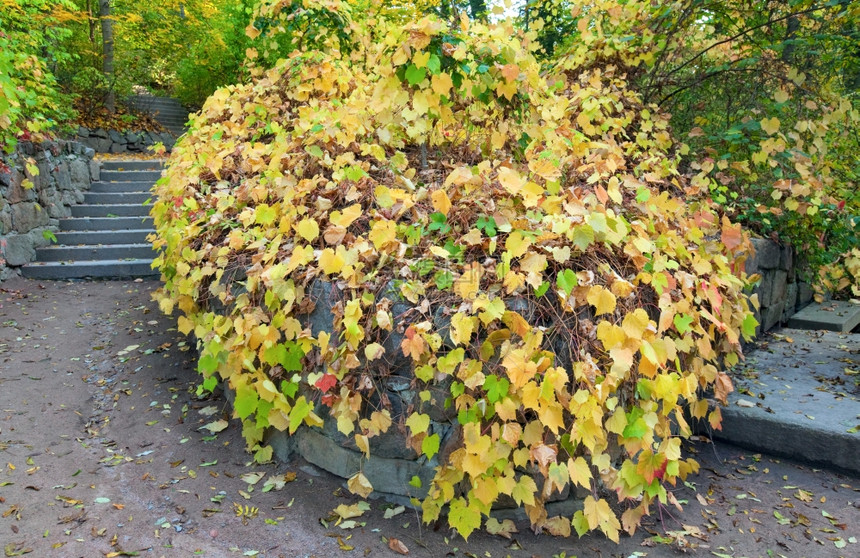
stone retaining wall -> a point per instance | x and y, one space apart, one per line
28 215
780 291
112 141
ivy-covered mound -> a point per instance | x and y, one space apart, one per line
587 299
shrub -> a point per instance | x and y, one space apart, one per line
589 303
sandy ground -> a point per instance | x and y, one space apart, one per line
102 455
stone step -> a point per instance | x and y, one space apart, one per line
105 223
130 176
148 100
170 112
101 269
116 197
836 315
114 210
115 187
94 252
128 236
151 100
118 165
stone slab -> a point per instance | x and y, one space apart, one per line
798 396
836 315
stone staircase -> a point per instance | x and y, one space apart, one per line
167 111
106 235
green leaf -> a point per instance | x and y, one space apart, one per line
748 325
582 236
463 517
430 446
207 364
580 523
682 323
496 388
444 280
354 173
300 410
542 289
246 401
566 281
265 214
434 64
315 150
415 75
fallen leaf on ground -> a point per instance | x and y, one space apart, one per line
397 546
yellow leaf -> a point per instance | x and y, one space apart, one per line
308 229
635 323
441 83
519 370
599 514
358 484
610 335
602 300
517 244
441 202
462 327
780 96
382 232
420 59
770 125
507 89
363 444
468 284
374 351
330 262
347 216
511 180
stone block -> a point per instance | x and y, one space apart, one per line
88 152
390 476
15 192
63 176
26 216
765 287
102 145
79 174
38 237
767 253
5 219
804 294
5 177
786 257
117 148
790 302
780 285
772 316
83 132
99 133
18 249
117 137
95 170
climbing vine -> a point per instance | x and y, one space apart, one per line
567 300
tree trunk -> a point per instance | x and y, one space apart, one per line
107 54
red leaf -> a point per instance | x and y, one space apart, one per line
732 236
327 382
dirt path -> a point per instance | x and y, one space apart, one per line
102 455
